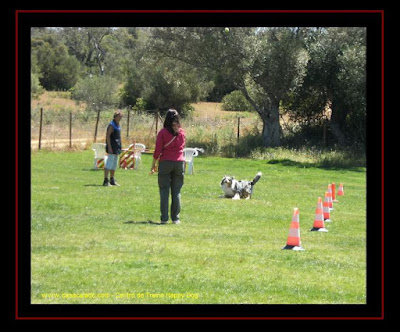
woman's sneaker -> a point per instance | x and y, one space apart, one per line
176 222
106 183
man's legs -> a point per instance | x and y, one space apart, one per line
106 182
109 168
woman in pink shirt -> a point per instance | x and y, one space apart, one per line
169 151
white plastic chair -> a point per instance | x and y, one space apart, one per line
189 154
99 153
138 148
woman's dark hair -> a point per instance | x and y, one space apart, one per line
171 117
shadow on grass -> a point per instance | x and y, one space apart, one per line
324 165
147 222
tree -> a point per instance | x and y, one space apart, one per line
134 66
87 44
263 63
336 77
222 87
133 87
167 85
36 88
278 68
347 91
162 82
98 92
58 70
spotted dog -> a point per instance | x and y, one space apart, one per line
235 189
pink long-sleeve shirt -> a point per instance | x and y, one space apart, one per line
172 151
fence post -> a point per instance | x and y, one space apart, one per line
40 128
70 129
127 130
97 123
238 129
238 135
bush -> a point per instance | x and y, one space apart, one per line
36 88
236 101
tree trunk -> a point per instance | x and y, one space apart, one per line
270 117
271 127
337 123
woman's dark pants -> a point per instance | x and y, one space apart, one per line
170 177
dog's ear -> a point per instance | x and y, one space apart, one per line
223 179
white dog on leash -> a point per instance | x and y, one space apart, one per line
238 189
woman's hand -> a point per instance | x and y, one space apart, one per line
153 167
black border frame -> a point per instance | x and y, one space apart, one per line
20 231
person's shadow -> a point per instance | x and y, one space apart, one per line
147 222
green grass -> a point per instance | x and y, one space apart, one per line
105 243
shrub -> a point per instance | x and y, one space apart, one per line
36 88
236 101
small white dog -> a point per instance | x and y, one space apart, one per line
238 189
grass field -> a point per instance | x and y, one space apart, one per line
95 244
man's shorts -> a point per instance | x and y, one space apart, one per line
112 162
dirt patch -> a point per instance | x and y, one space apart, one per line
56 144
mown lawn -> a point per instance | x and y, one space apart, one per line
95 244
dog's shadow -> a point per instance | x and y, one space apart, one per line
147 222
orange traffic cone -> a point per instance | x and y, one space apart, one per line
319 224
334 193
293 241
330 197
340 191
326 209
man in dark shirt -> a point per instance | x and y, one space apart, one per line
113 149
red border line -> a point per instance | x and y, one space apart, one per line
16 164
200 318
201 11
185 12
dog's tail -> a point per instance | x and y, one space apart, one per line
256 178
